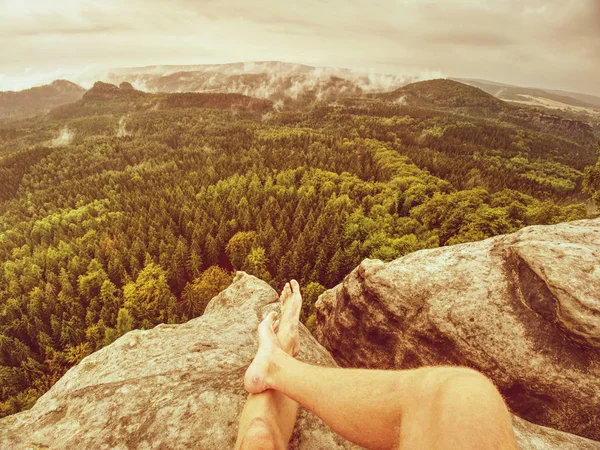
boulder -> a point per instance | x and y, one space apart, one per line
125 85
522 308
175 386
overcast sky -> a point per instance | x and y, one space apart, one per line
545 43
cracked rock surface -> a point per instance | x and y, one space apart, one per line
522 308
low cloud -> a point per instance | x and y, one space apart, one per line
64 138
122 131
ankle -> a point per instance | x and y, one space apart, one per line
274 378
288 337
289 347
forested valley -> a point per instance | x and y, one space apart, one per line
127 209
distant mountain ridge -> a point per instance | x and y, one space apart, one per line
555 98
106 98
274 80
287 83
179 78
282 82
258 89
277 80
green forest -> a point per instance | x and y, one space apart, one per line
127 209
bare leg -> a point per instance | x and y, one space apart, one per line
427 408
268 418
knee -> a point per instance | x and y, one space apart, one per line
467 388
258 436
465 380
470 402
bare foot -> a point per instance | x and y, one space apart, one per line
257 376
291 304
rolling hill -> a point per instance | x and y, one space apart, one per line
444 93
38 100
546 98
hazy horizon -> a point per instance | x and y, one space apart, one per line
545 44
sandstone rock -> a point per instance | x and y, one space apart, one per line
125 85
536 437
175 386
101 91
522 308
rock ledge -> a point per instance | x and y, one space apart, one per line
522 308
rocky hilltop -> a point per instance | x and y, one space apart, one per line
520 307
106 91
523 308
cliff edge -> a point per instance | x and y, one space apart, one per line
522 308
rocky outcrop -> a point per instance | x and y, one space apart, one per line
126 86
105 91
523 308
175 386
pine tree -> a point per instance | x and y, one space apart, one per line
211 251
239 246
124 322
256 264
194 264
